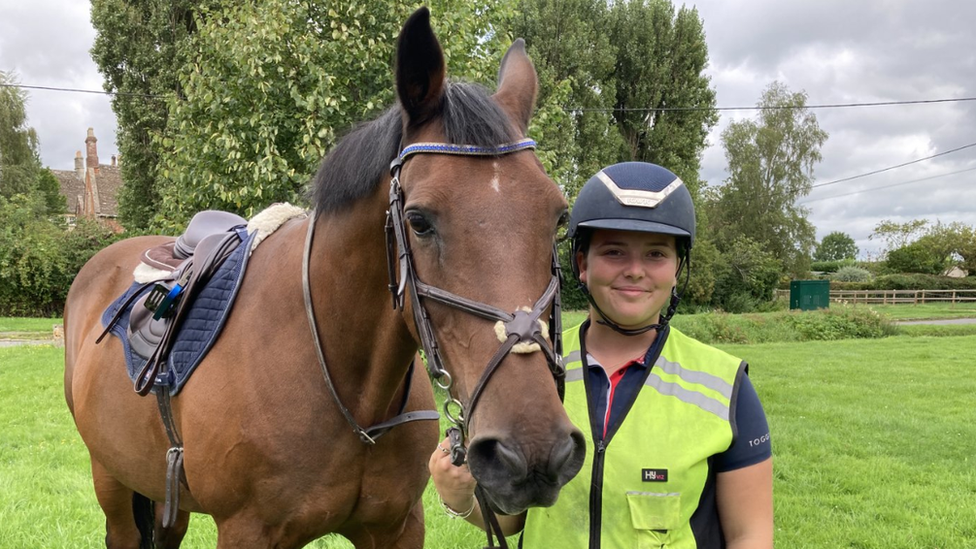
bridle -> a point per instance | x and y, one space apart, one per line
517 329
520 326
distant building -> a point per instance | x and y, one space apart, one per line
956 272
91 188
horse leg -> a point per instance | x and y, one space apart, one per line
121 505
172 537
409 535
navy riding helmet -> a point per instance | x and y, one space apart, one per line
634 196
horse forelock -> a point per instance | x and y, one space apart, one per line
361 159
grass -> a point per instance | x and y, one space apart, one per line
873 443
27 328
925 311
873 440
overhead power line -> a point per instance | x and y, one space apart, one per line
582 109
892 167
872 189
780 107
76 90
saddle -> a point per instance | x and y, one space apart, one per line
182 264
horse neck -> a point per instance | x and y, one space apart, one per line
366 341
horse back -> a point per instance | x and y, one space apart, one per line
102 279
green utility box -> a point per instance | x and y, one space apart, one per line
809 295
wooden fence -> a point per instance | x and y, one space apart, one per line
891 297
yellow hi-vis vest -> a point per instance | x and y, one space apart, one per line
651 483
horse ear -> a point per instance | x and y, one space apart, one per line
419 68
517 85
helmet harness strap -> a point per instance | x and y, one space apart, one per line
665 318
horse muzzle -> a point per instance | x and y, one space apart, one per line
517 475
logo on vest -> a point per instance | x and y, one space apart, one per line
654 475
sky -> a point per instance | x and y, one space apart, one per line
836 51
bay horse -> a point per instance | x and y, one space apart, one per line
272 447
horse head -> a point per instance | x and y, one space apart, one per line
479 226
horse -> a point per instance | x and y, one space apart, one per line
270 422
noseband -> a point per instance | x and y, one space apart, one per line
520 326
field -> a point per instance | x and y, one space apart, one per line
874 444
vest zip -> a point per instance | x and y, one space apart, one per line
596 495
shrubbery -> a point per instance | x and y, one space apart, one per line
39 257
831 266
838 322
908 282
852 274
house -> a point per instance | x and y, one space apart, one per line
956 272
91 188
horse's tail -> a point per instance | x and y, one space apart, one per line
143 510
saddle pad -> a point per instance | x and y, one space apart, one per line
202 325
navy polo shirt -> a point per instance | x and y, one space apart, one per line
620 389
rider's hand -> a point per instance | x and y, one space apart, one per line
455 485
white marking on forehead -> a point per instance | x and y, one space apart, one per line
494 178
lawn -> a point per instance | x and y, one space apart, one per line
926 311
27 328
874 445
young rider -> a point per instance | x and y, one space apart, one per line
678 444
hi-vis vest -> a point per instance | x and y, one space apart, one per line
650 483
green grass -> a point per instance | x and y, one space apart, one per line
27 328
874 444
925 311
934 330
874 441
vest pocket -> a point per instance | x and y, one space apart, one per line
654 515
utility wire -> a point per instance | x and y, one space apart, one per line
889 186
892 167
778 107
621 109
76 90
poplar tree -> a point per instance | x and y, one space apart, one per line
771 162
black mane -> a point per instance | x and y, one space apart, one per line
359 161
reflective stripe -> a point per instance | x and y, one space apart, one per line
710 381
576 374
654 494
691 397
572 357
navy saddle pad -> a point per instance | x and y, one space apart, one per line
202 325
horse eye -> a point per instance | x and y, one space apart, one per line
419 224
563 219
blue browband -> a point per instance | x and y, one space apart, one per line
466 150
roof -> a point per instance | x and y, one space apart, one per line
109 182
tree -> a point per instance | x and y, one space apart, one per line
20 164
660 63
897 235
771 163
140 47
835 247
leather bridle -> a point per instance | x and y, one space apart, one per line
520 327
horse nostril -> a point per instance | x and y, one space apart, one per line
566 457
492 456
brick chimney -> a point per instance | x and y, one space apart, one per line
92 149
79 166
113 161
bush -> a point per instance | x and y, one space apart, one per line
831 266
838 322
39 257
908 282
852 274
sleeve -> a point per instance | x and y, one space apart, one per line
752 445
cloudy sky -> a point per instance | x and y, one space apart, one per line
837 51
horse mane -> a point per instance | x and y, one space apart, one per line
356 165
